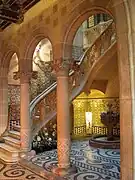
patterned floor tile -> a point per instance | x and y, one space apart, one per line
91 163
17 172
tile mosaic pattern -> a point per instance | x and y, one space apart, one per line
17 172
91 163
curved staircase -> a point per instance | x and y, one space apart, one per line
94 58
90 64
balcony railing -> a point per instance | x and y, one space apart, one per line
81 131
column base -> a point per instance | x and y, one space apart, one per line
64 171
28 155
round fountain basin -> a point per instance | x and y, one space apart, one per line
100 141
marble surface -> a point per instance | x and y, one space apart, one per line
91 163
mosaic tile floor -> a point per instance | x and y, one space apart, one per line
91 163
17 172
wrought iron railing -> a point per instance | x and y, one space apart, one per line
94 130
93 32
44 78
91 56
13 106
79 131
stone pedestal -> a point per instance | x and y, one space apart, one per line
64 171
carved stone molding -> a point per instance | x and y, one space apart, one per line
61 66
25 76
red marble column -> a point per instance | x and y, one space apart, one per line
63 121
24 110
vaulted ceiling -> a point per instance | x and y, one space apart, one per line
12 11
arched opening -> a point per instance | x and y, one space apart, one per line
87 110
107 78
42 53
88 32
42 59
96 103
13 93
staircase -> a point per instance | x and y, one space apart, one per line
10 148
89 65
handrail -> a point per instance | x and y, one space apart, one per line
41 96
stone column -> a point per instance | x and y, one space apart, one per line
3 100
63 121
24 112
25 121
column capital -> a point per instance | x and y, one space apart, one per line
62 66
25 76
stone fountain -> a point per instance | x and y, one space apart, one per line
110 119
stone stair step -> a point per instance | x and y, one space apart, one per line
8 159
17 128
12 141
14 134
9 150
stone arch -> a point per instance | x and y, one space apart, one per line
31 42
7 53
119 11
75 22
